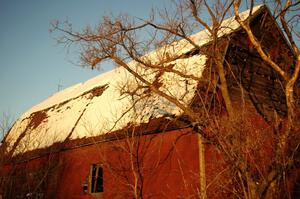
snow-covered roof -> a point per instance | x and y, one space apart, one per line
98 106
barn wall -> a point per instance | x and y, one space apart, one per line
262 87
168 164
36 178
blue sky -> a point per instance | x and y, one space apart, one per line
32 65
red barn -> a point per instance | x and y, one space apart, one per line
93 141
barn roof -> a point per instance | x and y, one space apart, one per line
98 106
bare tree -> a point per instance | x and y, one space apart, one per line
286 150
262 158
5 123
18 178
134 158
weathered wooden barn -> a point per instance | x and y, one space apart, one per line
87 142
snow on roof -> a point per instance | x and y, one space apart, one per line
97 106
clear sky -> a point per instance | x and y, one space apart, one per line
32 65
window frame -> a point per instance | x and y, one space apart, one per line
94 178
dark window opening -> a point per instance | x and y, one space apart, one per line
96 178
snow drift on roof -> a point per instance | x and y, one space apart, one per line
98 106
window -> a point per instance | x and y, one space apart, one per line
96 179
